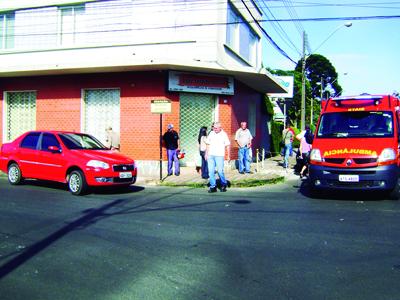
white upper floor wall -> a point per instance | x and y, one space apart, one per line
115 33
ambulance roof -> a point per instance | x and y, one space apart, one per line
362 102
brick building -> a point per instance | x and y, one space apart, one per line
93 64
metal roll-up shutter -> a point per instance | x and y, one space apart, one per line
21 113
196 111
101 110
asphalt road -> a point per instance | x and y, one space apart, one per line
154 243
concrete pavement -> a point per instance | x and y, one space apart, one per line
270 170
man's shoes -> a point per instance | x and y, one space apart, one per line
169 174
212 190
223 188
249 172
241 172
177 174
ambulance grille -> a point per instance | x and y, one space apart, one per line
337 161
361 161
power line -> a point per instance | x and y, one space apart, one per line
268 36
336 19
279 30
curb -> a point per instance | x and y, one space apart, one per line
247 183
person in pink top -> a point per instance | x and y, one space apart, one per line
305 149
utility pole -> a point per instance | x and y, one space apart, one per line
303 84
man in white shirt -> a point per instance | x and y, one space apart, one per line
243 138
217 142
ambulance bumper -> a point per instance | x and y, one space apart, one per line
374 178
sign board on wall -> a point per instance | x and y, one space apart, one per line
288 83
160 106
200 83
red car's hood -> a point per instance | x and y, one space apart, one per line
108 156
354 147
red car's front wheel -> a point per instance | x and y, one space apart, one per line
77 183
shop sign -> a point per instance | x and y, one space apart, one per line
200 83
287 82
161 106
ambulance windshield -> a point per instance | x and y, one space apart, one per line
356 124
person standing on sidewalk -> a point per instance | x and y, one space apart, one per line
287 139
202 149
305 149
112 139
243 138
217 142
171 141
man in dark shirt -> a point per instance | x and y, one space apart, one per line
171 141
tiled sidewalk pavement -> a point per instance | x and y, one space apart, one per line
272 171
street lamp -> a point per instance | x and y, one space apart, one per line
321 83
303 69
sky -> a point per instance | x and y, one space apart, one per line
366 55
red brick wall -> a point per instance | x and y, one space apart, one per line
240 112
59 106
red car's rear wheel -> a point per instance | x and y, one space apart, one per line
14 174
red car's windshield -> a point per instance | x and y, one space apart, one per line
77 141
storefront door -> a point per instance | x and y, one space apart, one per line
196 110
101 110
20 113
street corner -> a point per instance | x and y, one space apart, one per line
234 178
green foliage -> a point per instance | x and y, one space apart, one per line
276 137
268 107
319 68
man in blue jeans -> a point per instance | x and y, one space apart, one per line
171 141
243 138
217 142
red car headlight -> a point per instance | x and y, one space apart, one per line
98 164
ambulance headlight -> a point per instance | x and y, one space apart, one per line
387 154
315 155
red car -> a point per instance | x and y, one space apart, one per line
69 157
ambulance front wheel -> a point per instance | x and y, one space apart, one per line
395 192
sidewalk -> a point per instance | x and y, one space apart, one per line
271 172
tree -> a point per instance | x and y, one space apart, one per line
320 69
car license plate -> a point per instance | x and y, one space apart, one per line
349 178
125 175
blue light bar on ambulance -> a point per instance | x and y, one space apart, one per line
376 99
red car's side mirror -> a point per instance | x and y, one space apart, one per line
54 149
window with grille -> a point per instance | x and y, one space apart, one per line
101 110
7 31
20 113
